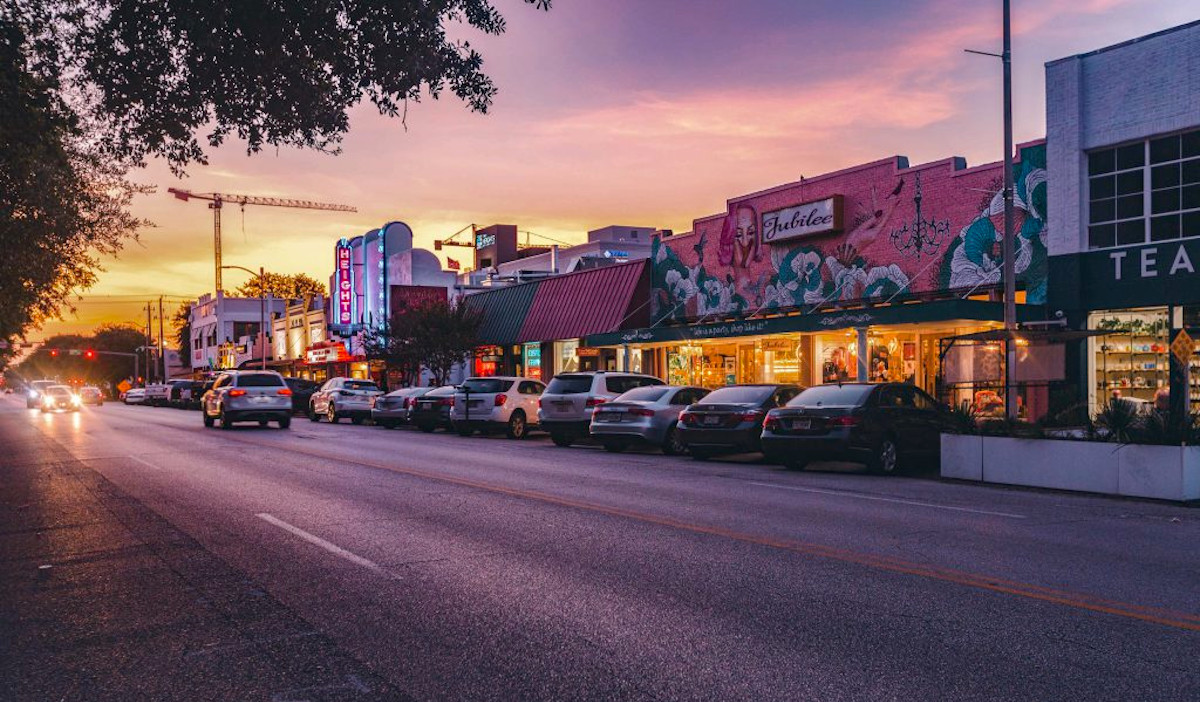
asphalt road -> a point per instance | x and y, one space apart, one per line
352 562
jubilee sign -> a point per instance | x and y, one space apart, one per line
344 279
803 220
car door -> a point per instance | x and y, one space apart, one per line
927 423
529 391
891 415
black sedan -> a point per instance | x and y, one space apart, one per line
885 427
730 419
432 410
302 392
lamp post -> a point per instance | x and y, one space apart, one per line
262 312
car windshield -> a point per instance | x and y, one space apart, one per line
58 391
569 385
408 392
444 391
646 394
485 385
625 383
832 396
359 385
41 385
259 380
739 395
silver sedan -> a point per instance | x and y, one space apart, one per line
645 415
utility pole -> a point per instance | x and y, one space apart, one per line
162 347
1010 275
149 334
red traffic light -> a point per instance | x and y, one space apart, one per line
54 353
89 355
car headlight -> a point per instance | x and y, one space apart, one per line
75 400
48 401
33 394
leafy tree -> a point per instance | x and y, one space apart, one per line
181 323
104 369
288 287
433 335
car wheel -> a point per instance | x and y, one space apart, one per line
312 414
285 423
516 425
427 428
615 445
887 457
561 439
672 446
225 423
331 414
208 421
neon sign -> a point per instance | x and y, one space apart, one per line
344 280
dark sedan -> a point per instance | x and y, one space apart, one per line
885 427
302 392
729 420
432 410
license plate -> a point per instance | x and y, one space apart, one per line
425 405
475 403
802 424
261 399
608 417
712 420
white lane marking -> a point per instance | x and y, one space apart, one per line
330 547
914 503
146 463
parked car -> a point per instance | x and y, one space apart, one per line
302 392
59 397
248 396
185 393
432 410
393 409
884 427
645 415
730 419
565 408
343 397
134 396
91 395
33 393
484 404
158 394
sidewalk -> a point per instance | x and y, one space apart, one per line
102 599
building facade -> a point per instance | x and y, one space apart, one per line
225 330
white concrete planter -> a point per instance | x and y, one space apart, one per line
1161 472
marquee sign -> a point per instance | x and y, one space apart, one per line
344 282
327 352
811 218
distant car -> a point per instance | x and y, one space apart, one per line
645 415
884 427
432 410
248 396
135 396
59 397
90 395
343 397
393 409
33 392
497 402
567 404
158 394
730 419
302 392
184 393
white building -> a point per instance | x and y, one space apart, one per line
301 325
225 330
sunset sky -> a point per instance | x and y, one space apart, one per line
637 112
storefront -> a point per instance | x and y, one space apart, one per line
331 359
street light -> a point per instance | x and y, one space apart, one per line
262 312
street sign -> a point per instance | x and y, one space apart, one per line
1183 347
124 386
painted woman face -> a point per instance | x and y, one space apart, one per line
746 226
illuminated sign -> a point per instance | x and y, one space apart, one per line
344 281
482 241
803 220
328 353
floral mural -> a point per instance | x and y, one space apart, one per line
725 268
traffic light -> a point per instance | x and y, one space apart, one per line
89 355
53 353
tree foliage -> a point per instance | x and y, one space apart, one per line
104 369
288 287
434 336
181 325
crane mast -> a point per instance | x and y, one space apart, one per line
217 200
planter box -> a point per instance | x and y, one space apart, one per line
1161 472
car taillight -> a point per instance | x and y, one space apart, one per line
287 392
771 423
848 420
751 415
409 402
596 401
446 402
236 393
641 412
687 418
500 400
539 403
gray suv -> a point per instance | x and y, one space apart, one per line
248 396
565 409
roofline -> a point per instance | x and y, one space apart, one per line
1128 42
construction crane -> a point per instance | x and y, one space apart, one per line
218 200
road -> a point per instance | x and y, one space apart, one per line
352 562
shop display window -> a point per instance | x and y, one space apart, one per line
1132 362
566 355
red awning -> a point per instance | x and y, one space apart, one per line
589 302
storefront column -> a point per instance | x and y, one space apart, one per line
864 355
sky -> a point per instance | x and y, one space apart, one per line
632 112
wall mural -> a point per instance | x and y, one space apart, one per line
876 232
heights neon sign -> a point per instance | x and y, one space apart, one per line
344 280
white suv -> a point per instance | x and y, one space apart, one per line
343 397
495 402
566 406
248 396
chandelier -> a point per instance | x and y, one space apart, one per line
920 237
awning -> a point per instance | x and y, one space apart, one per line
1033 336
503 311
594 301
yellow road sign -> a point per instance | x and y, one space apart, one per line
1183 347
124 386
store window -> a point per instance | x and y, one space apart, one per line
1147 191
533 361
1132 362
566 355
837 355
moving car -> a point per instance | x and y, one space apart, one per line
496 402
730 419
248 396
884 427
393 409
91 395
645 415
59 397
135 396
33 392
432 410
565 409
343 397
